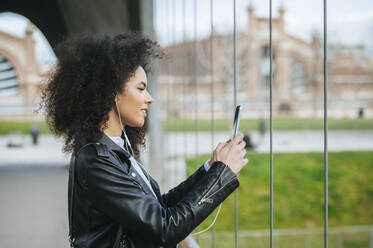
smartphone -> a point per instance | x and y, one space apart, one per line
236 121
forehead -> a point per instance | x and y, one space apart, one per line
138 76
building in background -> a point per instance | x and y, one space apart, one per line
20 76
298 75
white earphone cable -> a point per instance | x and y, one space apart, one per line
128 143
213 222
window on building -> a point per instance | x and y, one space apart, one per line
8 78
264 66
298 76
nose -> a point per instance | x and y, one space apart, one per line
149 99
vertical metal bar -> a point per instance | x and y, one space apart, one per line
160 5
155 17
235 104
196 81
212 98
184 83
196 87
325 128
234 54
307 240
155 129
167 79
371 237
339 239
174 81
271 121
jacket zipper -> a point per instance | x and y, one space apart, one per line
206 199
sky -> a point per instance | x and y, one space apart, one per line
349 22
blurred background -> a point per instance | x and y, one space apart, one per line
194 92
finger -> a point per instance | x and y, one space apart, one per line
220 146
241 145
238 138
242 153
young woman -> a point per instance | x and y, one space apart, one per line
97 100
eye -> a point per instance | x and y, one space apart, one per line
141 89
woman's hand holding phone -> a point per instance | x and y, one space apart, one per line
231 153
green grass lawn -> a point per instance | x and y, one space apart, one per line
278 124
174 125
298 191
21 126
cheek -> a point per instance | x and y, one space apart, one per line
139 98
135 102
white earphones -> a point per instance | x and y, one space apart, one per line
128 143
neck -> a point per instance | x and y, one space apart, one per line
113 126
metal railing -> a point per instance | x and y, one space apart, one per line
273 234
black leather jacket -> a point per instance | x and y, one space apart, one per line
113 207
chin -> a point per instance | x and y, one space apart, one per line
137 124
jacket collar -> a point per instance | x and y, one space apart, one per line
111 145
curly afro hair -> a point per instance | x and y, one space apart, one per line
91 71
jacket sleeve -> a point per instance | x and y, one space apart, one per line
114 193
177 193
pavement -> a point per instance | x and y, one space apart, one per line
48 152
283 141
33 209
